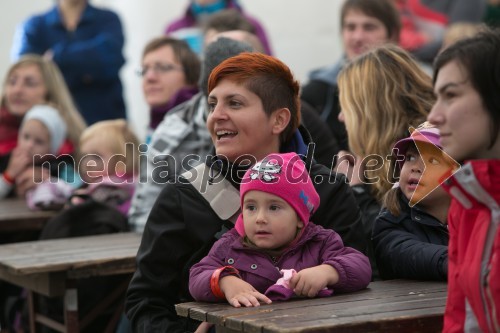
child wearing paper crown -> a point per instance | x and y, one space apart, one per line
410 235
42 134
275 252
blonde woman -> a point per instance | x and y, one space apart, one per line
30 81
382 93
35 80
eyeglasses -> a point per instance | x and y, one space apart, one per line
158 69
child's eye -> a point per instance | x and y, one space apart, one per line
410 157
274 207
250 207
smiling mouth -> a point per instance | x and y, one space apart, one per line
225 134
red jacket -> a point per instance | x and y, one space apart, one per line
474 248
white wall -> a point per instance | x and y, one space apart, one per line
304 34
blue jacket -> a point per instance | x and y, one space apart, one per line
316 246
90 57
413 245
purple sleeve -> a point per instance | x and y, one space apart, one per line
200 273
352 266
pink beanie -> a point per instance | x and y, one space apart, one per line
285 176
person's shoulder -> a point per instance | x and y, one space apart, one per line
102 14
386 218
42 17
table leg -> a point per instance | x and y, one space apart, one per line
32 310
71 308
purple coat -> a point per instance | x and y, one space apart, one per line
315 247
188 21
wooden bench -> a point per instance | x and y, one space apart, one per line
385 306
15 216
52 267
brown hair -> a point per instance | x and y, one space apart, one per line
383 10
189 60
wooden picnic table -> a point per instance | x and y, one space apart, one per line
385 306
52 267
15 216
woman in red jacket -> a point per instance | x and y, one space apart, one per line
467 113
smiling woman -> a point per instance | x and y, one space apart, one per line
254 107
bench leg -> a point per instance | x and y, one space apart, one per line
32 310
71 308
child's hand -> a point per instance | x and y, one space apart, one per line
18 162
30 178
239 292
308 282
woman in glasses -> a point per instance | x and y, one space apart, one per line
170 72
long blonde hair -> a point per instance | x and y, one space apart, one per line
382 93
57 93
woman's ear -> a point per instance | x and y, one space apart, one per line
280 120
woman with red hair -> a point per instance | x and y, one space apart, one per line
253 111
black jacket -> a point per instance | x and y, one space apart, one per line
326 145
182 228
322 93
413 245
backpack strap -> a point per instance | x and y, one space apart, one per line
218 192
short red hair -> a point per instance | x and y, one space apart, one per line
267 77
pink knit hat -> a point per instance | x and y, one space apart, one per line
285 176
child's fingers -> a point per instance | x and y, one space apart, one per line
264 298
246 299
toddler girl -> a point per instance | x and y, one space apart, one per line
275 252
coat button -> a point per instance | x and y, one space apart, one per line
230 261
417 218
254 266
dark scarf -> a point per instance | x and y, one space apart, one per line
157 114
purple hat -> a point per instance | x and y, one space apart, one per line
428 135
284 175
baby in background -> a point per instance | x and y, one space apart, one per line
106 166
42 133
274 241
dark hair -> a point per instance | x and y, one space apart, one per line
267 77
215 53
383 10
480 57
182 52
228 19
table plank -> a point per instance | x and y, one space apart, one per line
15 216
386 306
69 254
